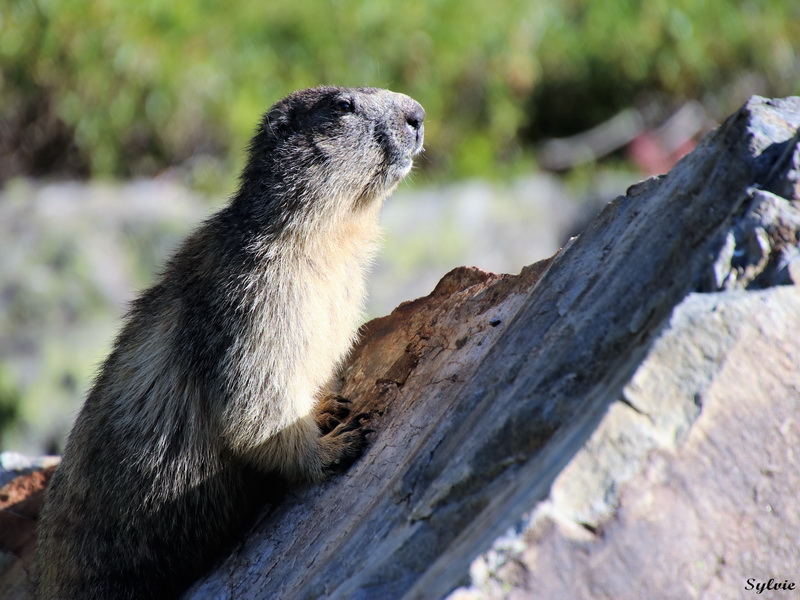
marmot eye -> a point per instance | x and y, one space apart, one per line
345 106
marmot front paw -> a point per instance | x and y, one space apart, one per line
332 411
346 442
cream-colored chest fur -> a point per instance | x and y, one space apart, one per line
328 306
305 308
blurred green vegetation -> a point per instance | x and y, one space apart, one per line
118 88
72 255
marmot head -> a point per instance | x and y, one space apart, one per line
328 149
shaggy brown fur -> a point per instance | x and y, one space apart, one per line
219 366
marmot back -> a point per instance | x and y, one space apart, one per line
219 368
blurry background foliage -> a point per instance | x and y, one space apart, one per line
165 95
118 88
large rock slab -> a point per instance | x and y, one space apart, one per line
687 489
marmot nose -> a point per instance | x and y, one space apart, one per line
415 114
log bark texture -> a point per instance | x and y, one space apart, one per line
494 387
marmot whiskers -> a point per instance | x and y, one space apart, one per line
219 368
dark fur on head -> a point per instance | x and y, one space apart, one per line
325 132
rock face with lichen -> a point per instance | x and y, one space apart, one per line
686 488
618 421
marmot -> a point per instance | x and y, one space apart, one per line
219 368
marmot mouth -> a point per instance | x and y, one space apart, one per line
407 160
402 162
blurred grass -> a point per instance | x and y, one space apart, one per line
129 88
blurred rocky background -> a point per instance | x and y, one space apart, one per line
123 124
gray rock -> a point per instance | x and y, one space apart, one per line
686 488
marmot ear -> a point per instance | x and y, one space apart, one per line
276 123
